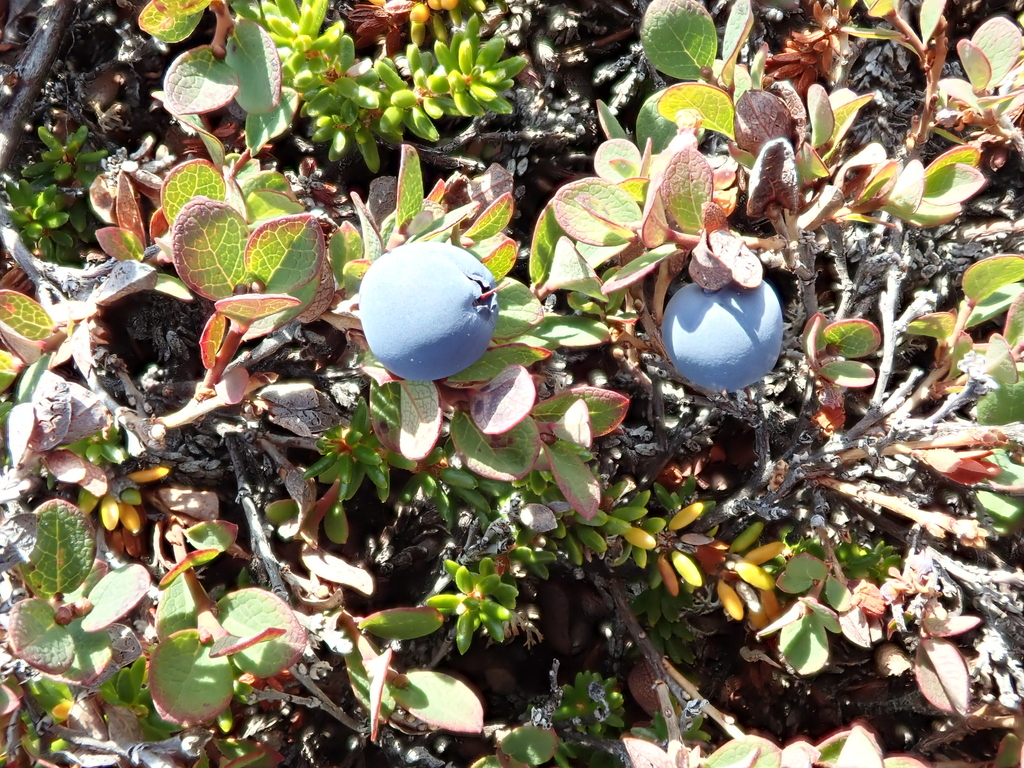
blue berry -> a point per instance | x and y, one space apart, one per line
423 310
726 339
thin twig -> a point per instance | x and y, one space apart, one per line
260 542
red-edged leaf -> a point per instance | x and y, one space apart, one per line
950 625
607 407
191 560
574 478
378 670
942 675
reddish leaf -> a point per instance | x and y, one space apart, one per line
129 216
378 670
761 117
504 401
574 478
644 754
950 625
68 467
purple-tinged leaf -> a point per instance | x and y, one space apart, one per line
496 359
575 479
942 675
377 669
637 269
249 612
773 179
852 338
68 467
574 426
985 277
504 401
760 118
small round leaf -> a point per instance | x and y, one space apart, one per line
116 595
249 612
37 639
188 687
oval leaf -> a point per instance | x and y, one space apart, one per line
188 687
679 38
251 53
403 623
116 596
248 612
504 401
37 639
441 701
198 82
64 551
508 456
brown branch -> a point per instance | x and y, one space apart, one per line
938 524
31 72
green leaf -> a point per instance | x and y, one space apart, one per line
930 15
246 308
212 534
208 250
403 623
193 178
712 104
264 204
285 253
999 39
508 456
687 184
249 612
819 111
261 127
597 212
637 269
609 122
804 644
679 38
530 744
441 701
493 219
176 610
188 687
617 160
985 277
651 125
750 751
545 235
346 245
575 479
92 655
410 188
187 563
1004 405
198 82
848 373
801 573
737 30
25 316
853 338
420 409
571 272
497 359
937 325
556 331
251 53
120 244
64 550
994 304
518 310
1013 330
952 184
36 638
500 259
170 28
975 64
116 596
607 407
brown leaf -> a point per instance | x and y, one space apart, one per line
338 571
299 408
200 505
760 118
773 179
68 467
